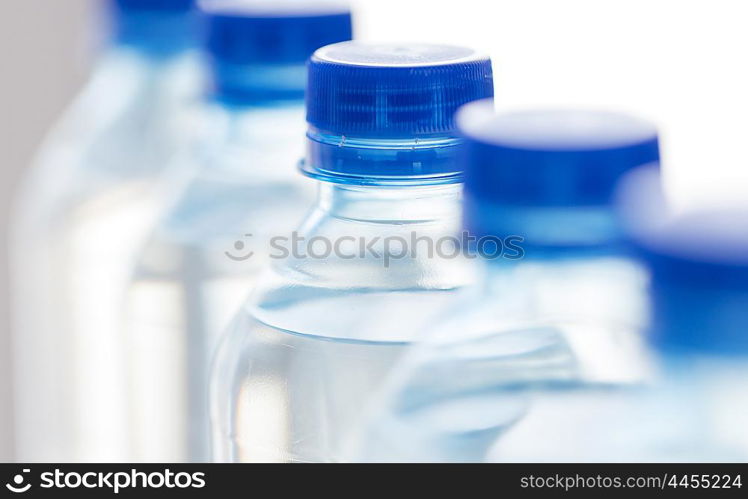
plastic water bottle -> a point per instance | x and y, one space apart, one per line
327 322
565 308
80 215
203 258
699 294
694 411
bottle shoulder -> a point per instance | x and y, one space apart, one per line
120 132
126 121
670 420
337 278
214 209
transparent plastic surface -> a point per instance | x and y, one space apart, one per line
694 413
200 263
319 335
691 411
81 213
533 323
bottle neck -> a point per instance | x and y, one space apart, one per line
155 35
255 142
244 85
578 287
548 232
391 205
418 161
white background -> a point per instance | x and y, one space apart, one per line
682 64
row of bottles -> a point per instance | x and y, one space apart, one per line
491 286
82 213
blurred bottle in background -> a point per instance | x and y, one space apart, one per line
80 215
319 333
695 410
566 309
202 259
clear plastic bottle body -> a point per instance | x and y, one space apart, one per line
691 411
79 217
567 311
319 334
694 412
200 262
533 322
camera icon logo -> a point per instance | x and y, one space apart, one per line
242 253
17 485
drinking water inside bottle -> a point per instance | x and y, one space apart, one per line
299 389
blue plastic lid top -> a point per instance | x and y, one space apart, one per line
155 27
386 111
698 263
549 175
552 157
258 49
393 91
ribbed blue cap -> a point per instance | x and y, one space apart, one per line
393 91
386 111
549 175
698 263
699 290
156 27
258 49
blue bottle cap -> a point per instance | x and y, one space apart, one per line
158 28
549 175
385 112
698 263
699 290
258 50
